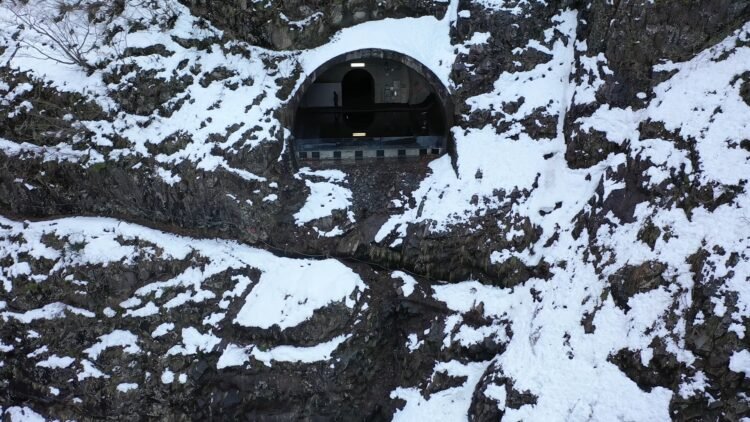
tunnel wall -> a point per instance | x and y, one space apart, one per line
412 90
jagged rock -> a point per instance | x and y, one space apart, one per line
255 191
297 24
630 281
43 115
144 93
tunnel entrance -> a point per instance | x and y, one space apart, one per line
370 104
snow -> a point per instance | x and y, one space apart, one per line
235 355
332 175
413 343
130 303
54 310
214 319
90 371
595 69
316 283
740 362
336 231
162 329
101 250
167 377
586 383
316 353
409 282
497 393
445 198
467 335
193 342
451 404
167 176
538 85
479 38
270 198
515 7
242 283
22 414
40 351
325 197
54 362
702 102
154 129
59 152
5 348
302 22
549 353
428 42
126 386
693 385
117 338
147 310
290 292
101 232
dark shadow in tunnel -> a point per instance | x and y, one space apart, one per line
358 92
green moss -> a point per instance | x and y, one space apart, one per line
98 167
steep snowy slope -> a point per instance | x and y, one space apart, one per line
583 254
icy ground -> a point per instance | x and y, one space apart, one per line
558 333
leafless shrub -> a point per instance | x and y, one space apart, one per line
68 31
64 32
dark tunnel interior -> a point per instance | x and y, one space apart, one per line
369 108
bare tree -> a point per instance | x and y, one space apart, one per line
65 32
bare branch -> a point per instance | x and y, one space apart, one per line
71 36
68 31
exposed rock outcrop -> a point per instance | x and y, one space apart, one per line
627 245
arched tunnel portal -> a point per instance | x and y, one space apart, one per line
370 103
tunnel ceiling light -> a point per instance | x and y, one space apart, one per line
358 64
359 134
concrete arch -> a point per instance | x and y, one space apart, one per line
437 86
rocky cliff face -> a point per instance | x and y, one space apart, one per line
583 249
302 24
